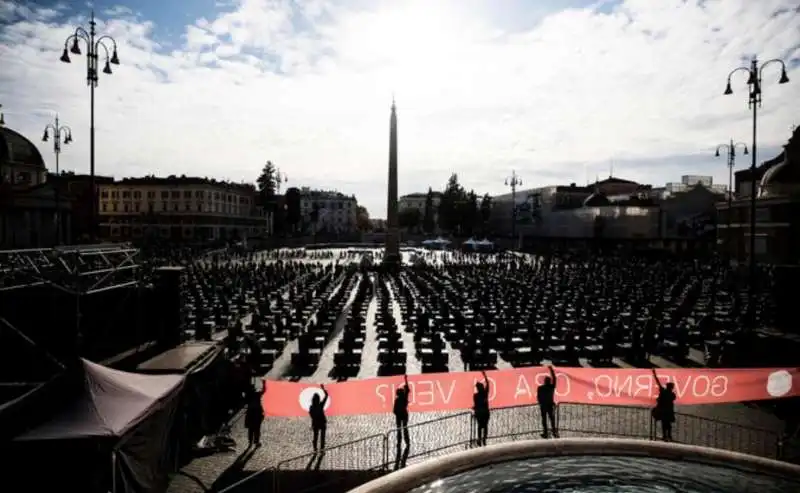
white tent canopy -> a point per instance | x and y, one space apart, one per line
471 242
112 403
485 242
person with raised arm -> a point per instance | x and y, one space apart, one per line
480 407
665 407
546 397
254 418
319 422
401 411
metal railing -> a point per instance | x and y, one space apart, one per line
364 454
708 432
386 451
579 420
424 443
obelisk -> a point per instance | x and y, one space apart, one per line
391 257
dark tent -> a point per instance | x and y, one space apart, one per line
204 367
113 434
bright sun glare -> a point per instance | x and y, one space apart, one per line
409 39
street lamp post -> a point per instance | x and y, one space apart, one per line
731 148
95 45
754 72
513 181
2 119
61 134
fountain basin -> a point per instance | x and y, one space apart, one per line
592 466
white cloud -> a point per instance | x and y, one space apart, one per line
309 89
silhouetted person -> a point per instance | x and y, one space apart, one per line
546 397
319 423
480 407
401 412
665 407
253 419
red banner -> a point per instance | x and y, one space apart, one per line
514 387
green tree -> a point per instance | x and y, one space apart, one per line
362 219
485 213
409 219
450 203
468 213
429 215
267 181
279 222
292 206
267 184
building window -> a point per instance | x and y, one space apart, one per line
150 207
187 194
137 194
126 194
187 207
199 194
175 194
125 207
114 207
104 194
175 207
199 207
151 194
164 195
163 206
105 207
136 206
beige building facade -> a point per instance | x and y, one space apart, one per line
336 212
180 208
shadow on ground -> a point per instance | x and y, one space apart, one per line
289 481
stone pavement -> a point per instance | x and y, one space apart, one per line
287 441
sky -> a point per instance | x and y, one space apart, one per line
556 91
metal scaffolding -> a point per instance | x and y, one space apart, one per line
76 269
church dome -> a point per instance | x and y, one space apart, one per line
14 148
597 199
